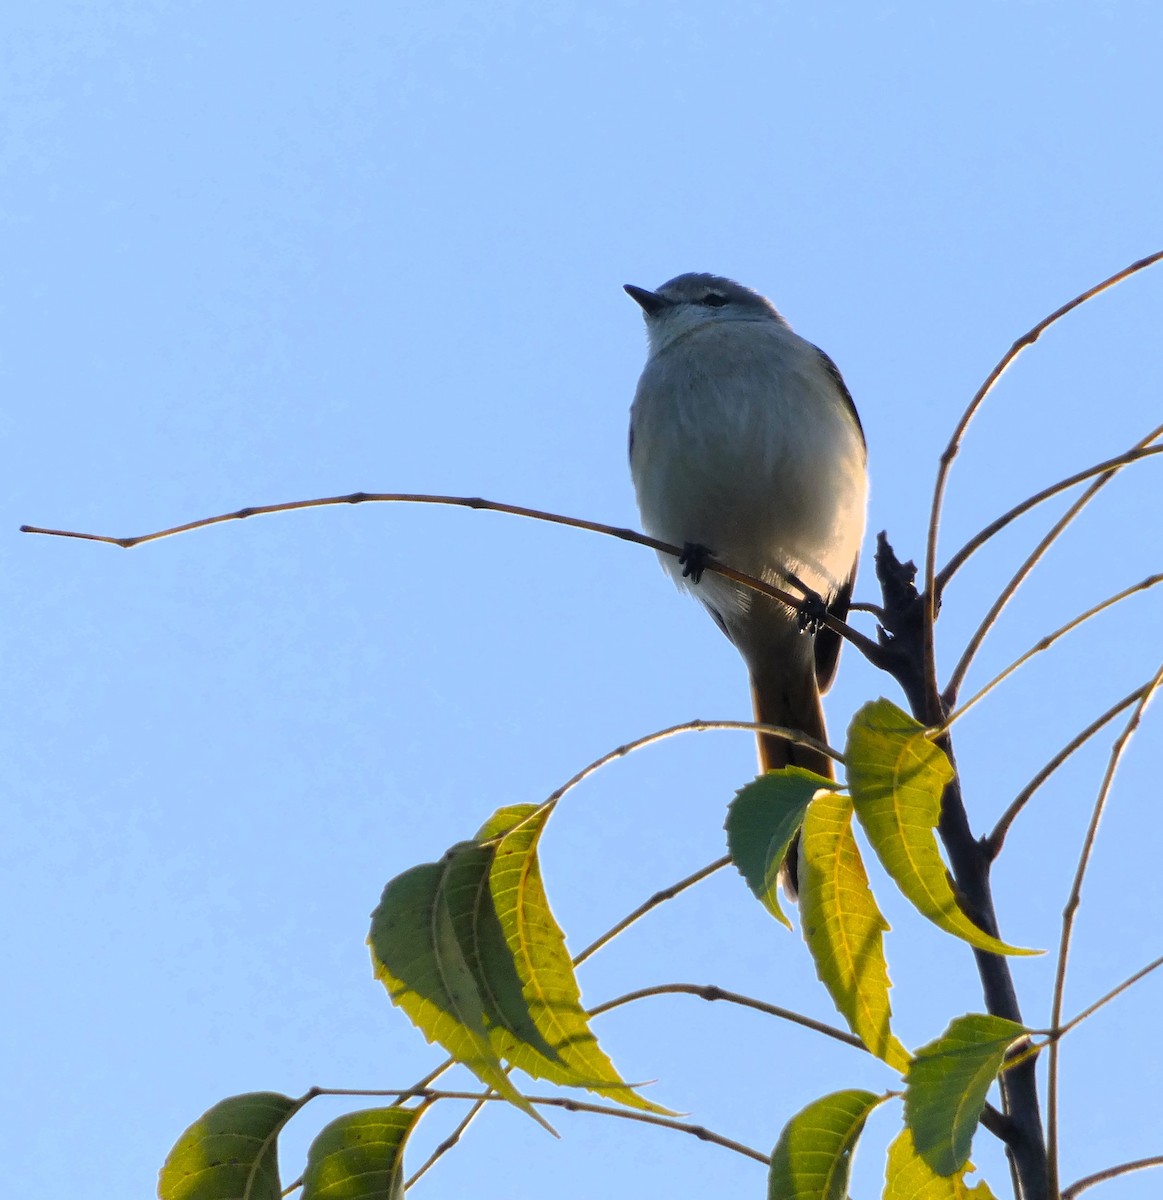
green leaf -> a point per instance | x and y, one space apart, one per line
947 1083
229 1153
542 962
813 1157
417 957
360 1156
844 928
512 1031
762 820
909 1177
897 777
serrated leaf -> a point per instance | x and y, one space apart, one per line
360 1156
909 1177
843 926
542 961
762 820
417 957
813 1157
229 1153
946 1086
512 1031
897 777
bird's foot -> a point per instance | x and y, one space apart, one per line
693 560
810 612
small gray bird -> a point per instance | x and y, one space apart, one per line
745 447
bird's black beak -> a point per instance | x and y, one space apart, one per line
651 302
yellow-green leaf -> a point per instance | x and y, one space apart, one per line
813 1157
843 926
512 1031
947 1083
762 820
360 1156
541 959
909 1177
417 957
897 777
229 1152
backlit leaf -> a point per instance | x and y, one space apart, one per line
909 1177
229 1153
542 962
897 777
844 927
360 1156
417 957
762 820
947 1083
813 1157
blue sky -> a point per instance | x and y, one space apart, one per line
260 253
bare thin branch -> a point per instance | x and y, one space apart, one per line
450 1141
952 449
696 726
1046 642
569 1105
1139 1164
865 645
996 839
710 992
1068 914
1143 449
1019 576
1130 981
660 897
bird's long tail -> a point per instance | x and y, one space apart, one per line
790 698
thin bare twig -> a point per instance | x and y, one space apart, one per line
1046 642
1139 1164
659 897
865 645
569 1105
996 839
794 736
952 449
1068 914
450 1141
1007 593
710 992
1130 981
1142 449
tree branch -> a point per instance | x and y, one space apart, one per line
864 644
996 839
953 448
1068 913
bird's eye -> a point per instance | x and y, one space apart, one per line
714 299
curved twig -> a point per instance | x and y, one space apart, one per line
1143 449
1007 593
1088 1181
952 449
865 645
569 1105
711 993
659 897
1068 914
993 843
1046 642
1130 981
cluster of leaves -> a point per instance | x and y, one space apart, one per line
469 949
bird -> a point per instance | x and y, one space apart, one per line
746 449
